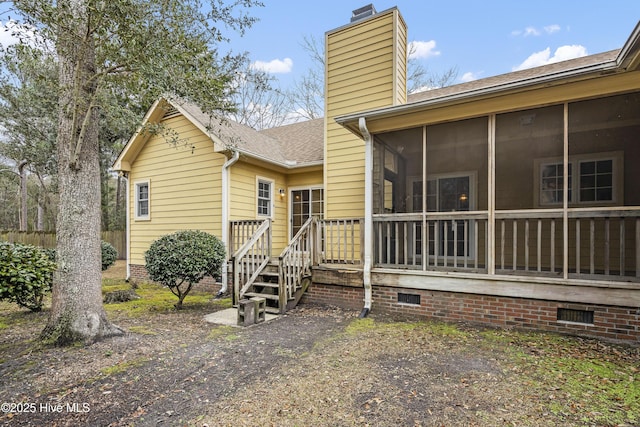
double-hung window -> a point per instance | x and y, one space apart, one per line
142 206
265 197
595 180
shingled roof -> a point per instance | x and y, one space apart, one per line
516 76
303 142
293 145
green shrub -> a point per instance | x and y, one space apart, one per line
26 274
109 255
181 259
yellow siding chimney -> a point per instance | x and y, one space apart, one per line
365 68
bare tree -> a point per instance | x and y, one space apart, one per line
307 95
259 104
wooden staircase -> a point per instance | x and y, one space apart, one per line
267 286
280 281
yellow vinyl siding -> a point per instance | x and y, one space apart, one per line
243 199
306 179
400 72
364 60
184 187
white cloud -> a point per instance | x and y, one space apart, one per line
11 32
7 38
533 31
275 66
422 49
544 57
550 29
468 77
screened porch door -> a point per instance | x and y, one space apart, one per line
305 203
453 195
449 193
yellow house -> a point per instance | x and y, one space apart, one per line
512 200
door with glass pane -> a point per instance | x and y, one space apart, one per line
304 204
450 237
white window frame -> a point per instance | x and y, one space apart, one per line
136 188
271 204
617 183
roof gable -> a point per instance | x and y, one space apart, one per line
290 146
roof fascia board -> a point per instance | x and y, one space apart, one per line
629 56
218 144
119 162
285 166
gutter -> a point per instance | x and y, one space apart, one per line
225 219
368 214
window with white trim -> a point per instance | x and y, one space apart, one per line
265 197
596 180
142 206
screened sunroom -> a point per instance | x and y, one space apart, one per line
552 191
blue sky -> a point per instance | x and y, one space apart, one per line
479 38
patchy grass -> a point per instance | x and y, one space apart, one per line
142 330
124 366
579 378
159 299
221 331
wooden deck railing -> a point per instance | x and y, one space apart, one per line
341 241
240 231
529 241
602 243
435 240
250 259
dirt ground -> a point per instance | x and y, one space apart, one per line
316 366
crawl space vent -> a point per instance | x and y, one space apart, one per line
575 316
409 298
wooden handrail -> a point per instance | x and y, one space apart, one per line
296 260
260 246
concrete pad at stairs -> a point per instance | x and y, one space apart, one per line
229 317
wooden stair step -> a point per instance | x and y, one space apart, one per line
267 284
265 296
270 274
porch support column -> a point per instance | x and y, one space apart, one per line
368 214
491 202
565 195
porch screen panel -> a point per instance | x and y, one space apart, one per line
398 198
456 194
604 149
529 179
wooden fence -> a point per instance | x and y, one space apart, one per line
48 239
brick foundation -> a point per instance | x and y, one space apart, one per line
139 273
621 324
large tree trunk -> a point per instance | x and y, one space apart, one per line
77 313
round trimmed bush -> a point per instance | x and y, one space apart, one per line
181 259
109 255
26 274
